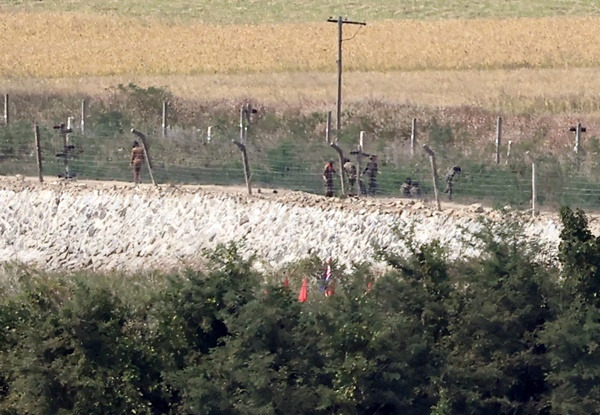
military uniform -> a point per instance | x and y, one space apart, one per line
371 171
450 176
137 160
328 173
351 173
410 188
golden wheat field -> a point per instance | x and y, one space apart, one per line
513 65
75 45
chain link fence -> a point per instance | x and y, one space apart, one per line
189 156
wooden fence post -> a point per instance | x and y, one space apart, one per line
413 137
498 138
247 175
142 138
435 175
83 116
508 150
38 151
6 111
209 134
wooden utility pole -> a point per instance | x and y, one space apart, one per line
340 152
434 173
142 138
340 22
38 151
341 168
498 138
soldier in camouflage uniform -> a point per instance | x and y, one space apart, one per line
351 174
137 160
410 188
371 171
450 176
328 173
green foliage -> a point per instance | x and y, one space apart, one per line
500 333
579 253
277 11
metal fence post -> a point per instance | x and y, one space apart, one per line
533 190
164 119
6 111
498 138
38 152
83 116
413 137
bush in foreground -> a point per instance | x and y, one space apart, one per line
498 334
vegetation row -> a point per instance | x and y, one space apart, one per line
502 333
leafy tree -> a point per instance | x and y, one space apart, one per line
496 359
573 338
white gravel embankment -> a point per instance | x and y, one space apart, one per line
112 226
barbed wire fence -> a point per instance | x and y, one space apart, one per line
208 156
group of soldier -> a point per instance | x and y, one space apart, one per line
370 171
410 187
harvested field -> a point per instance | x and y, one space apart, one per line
546 90
97 45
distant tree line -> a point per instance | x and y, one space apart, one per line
504 333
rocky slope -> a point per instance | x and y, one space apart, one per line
116 226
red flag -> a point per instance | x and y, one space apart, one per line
286 283
303 291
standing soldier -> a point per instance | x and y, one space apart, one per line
371 171
328 173
351 172
137 159
452 173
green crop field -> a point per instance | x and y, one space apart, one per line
274 11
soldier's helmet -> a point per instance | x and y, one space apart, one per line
408 180
456 169
136 144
